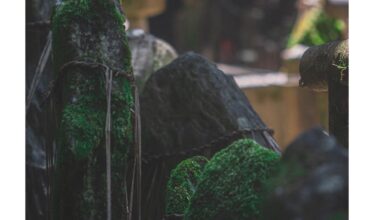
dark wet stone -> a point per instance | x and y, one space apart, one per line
189 103
312 180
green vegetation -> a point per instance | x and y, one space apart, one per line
231 183
341 60
316 28
182 184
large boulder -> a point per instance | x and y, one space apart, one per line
231 183
188 108
190 103
311 182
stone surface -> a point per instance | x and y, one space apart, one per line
90 31
311 182
190 103
149 53
231 183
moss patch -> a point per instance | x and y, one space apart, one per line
182 183
230 185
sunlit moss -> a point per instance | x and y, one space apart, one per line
182 183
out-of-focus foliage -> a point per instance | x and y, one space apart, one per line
315 27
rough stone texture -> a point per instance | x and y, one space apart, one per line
188 104
231 183
182 183
149 53
90 31
312 180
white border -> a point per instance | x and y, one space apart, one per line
12 115
364 109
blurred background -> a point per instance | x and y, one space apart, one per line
258 42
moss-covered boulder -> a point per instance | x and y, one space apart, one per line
90 31
230 185
182 183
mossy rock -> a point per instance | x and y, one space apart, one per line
231 183
182 183
90 31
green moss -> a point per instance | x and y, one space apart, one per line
341 60
230 185
182 183
84 126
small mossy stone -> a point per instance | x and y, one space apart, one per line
230 185
182 183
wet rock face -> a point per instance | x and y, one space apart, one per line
312 180
189 103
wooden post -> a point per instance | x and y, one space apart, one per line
325 68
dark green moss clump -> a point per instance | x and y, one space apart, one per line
230 185
182 183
